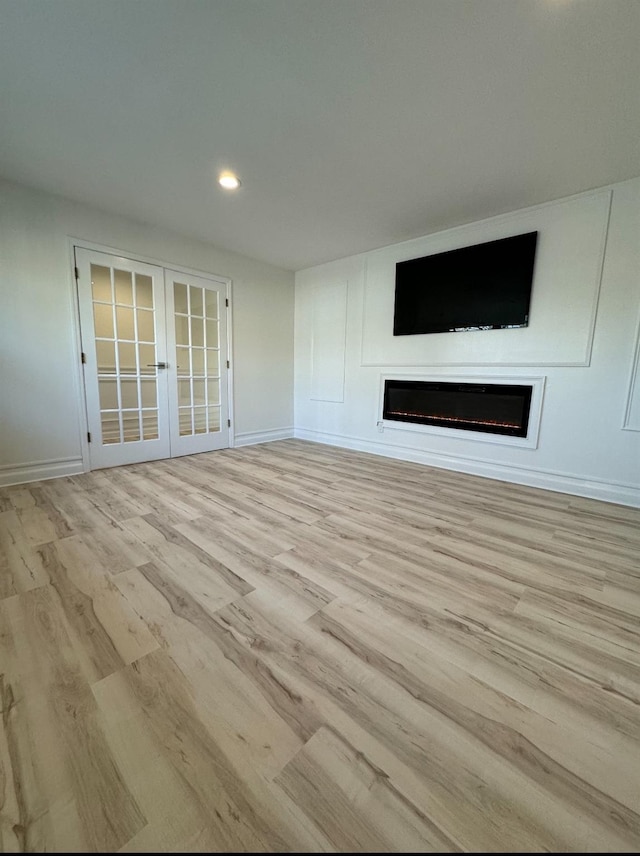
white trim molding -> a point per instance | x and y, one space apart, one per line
529 442
618 492
250 438
33 471
328 341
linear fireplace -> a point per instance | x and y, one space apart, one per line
491 408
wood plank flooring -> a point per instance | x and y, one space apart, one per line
292 647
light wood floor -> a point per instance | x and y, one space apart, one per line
292 647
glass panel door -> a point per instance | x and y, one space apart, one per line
156 372
122 315
197 341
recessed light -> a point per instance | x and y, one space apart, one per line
229 181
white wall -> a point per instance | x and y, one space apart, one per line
40 416
582 338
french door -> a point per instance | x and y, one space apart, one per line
154 346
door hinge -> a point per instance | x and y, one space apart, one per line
76 272
88 436
228 364
228 423
226 301
83 358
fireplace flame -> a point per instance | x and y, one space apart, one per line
466 420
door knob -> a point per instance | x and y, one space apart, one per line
157 365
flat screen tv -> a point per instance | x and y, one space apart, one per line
483 287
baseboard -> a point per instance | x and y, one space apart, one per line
250 438
39 471
623 494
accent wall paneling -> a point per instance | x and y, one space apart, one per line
571 242
328 341
632 411
584 349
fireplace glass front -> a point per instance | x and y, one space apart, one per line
488 407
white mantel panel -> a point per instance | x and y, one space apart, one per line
568 267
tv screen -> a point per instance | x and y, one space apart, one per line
483 287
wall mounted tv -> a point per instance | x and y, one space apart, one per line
483 287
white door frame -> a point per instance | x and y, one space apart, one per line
84 244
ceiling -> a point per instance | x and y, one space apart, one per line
352 123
